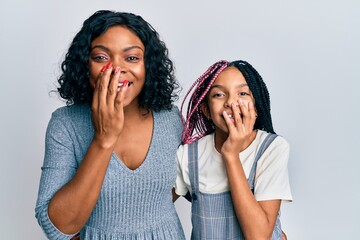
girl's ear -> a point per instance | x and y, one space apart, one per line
205 110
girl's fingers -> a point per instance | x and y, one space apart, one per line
237 115
228 122
248 113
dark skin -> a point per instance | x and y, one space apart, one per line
117 75
231 106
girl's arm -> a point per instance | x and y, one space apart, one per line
257 219
174 195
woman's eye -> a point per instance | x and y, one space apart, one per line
132 59
99 58
244 94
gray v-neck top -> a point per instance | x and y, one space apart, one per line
133 204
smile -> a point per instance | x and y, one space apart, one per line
121 83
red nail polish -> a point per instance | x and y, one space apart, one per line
117 69
103 69
108 66
125 82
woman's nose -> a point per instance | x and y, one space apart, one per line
121 64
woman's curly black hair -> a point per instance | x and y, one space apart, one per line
159 91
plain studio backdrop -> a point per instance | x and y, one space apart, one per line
308 53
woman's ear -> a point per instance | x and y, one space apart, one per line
205 110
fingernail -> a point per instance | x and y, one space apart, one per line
103 69
117 69
108 66
125 82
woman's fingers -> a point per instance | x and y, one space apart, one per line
113 88
107 102
103 85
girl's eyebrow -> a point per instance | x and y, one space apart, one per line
108 50
221 87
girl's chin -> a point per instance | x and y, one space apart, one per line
222 130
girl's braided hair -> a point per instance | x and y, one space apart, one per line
197 125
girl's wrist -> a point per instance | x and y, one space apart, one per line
230 156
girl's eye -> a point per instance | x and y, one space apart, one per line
217 95
244 94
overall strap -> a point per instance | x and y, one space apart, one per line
264 145
193 168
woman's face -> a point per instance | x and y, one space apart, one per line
228 87
123 49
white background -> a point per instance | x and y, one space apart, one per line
307 51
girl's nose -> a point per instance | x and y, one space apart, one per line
230 100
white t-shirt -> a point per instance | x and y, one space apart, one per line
271 179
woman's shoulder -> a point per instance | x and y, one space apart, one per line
170 115
72 111
173 111
77 115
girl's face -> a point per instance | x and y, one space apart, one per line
124 49
228 87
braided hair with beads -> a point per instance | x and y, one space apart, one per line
197 125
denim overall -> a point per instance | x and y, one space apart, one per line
213 215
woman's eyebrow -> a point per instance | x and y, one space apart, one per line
108 50
132 47
102 47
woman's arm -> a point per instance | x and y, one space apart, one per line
71 206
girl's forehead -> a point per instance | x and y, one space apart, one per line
230 74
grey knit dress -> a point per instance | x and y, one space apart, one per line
133 204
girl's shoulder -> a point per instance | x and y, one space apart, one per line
204 143
278 141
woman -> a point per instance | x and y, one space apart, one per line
109 163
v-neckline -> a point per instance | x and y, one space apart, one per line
144 162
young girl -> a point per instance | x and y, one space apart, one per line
232 162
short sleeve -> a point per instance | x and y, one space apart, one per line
181 169
272 178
